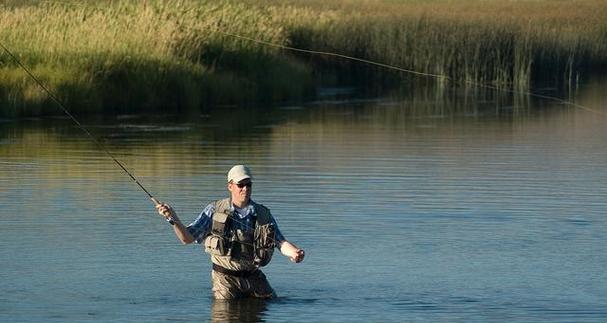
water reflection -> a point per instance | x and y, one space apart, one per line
242 310
479 200
417 123
321 134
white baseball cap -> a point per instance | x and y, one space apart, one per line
239 173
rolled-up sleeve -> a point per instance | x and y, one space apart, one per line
200 228
279 238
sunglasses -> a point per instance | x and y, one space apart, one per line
241 185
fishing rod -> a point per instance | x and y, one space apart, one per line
289 48
93 138
83 128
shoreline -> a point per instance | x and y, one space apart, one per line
175 55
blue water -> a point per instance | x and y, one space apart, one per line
409 210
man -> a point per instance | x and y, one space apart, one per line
240 235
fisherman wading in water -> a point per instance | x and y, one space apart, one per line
240 235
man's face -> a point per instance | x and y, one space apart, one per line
241 191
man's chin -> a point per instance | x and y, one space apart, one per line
245 200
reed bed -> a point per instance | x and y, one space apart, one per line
500 43
175 54
131 56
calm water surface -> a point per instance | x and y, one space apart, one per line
418 209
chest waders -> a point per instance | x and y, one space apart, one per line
237 249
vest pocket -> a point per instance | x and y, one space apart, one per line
242 245
216 245
264 244
264 236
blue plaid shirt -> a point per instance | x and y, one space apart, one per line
244 220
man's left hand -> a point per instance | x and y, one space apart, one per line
299 256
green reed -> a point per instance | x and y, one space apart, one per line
492 42
127 55
130 56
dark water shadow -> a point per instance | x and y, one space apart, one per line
252 309
241 310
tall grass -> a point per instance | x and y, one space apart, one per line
131 55
175 54
504 43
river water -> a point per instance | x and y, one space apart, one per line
417 208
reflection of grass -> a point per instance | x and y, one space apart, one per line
169 54
152 145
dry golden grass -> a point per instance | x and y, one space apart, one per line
175 53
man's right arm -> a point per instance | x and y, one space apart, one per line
181 231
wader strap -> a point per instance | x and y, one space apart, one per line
242 273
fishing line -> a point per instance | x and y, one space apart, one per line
294 49
379 64
398 68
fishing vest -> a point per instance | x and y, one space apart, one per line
239 250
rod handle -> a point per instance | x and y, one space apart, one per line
156 202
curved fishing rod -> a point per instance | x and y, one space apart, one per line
84 129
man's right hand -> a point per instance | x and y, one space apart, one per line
165 210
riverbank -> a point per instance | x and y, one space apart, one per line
130 56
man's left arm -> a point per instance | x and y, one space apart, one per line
290 250
287 248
